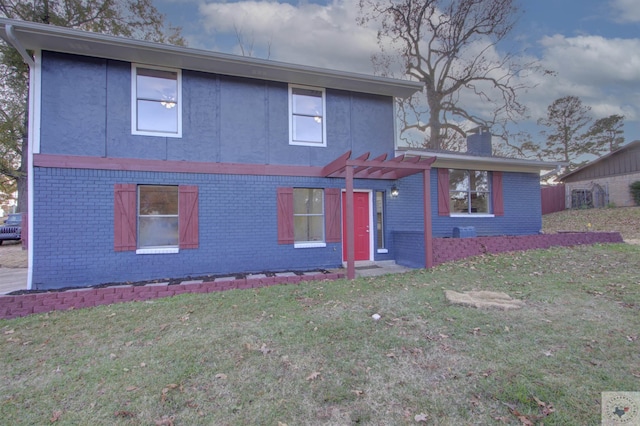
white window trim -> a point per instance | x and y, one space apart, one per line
471 215
134 102
309 245
162 250
324 117
312 244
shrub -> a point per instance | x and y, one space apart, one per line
635 192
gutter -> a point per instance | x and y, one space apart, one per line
18 46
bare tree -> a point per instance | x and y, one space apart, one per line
450 46
129 18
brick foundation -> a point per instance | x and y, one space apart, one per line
13 306
450 249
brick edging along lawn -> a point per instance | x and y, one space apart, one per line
13 306
444 249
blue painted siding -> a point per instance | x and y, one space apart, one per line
238 228
86 110
405 219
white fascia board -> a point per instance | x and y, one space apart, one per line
472 162
65 40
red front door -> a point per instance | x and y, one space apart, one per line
361 222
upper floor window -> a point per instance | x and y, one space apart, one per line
156 97
469 191
307 116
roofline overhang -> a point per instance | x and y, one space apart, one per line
599 159
501 164
35 36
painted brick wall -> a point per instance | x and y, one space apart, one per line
225 119
74 228
521 204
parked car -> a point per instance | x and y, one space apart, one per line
12 228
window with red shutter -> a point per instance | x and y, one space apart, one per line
188 216
497 197
285 215
333 233
443 192
125 216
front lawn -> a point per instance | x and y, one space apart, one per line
312 353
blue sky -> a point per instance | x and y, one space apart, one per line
592 45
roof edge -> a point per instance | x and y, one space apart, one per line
38 36
454 160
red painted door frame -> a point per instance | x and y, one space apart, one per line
362 219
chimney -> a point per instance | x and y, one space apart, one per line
479 142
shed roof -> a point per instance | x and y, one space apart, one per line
37 36
628 147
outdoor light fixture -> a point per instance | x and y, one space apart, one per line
394 191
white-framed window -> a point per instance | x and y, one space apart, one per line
156 101
381 248
308 216
307 116
469 192
158 217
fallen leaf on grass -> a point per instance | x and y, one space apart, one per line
545 408
55 416
313 376
358 392
420 418
131 388
221 376
10 331
264 349
165 421
166 390
124 414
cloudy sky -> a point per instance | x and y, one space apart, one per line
593 46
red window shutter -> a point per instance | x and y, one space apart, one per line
497 199
443 192
285 215
124 219
188 216
332 215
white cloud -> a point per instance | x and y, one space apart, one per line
626 11
604 73
310 34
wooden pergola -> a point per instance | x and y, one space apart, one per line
381 168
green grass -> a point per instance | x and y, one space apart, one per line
312 354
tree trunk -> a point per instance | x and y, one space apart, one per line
23 178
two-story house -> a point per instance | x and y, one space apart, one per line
152 161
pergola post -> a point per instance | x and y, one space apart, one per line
349 235
428 236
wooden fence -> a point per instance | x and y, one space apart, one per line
553 198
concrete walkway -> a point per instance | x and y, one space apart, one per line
12 279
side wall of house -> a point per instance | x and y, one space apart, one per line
521 195
86 110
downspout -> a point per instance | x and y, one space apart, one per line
18 46
9 30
